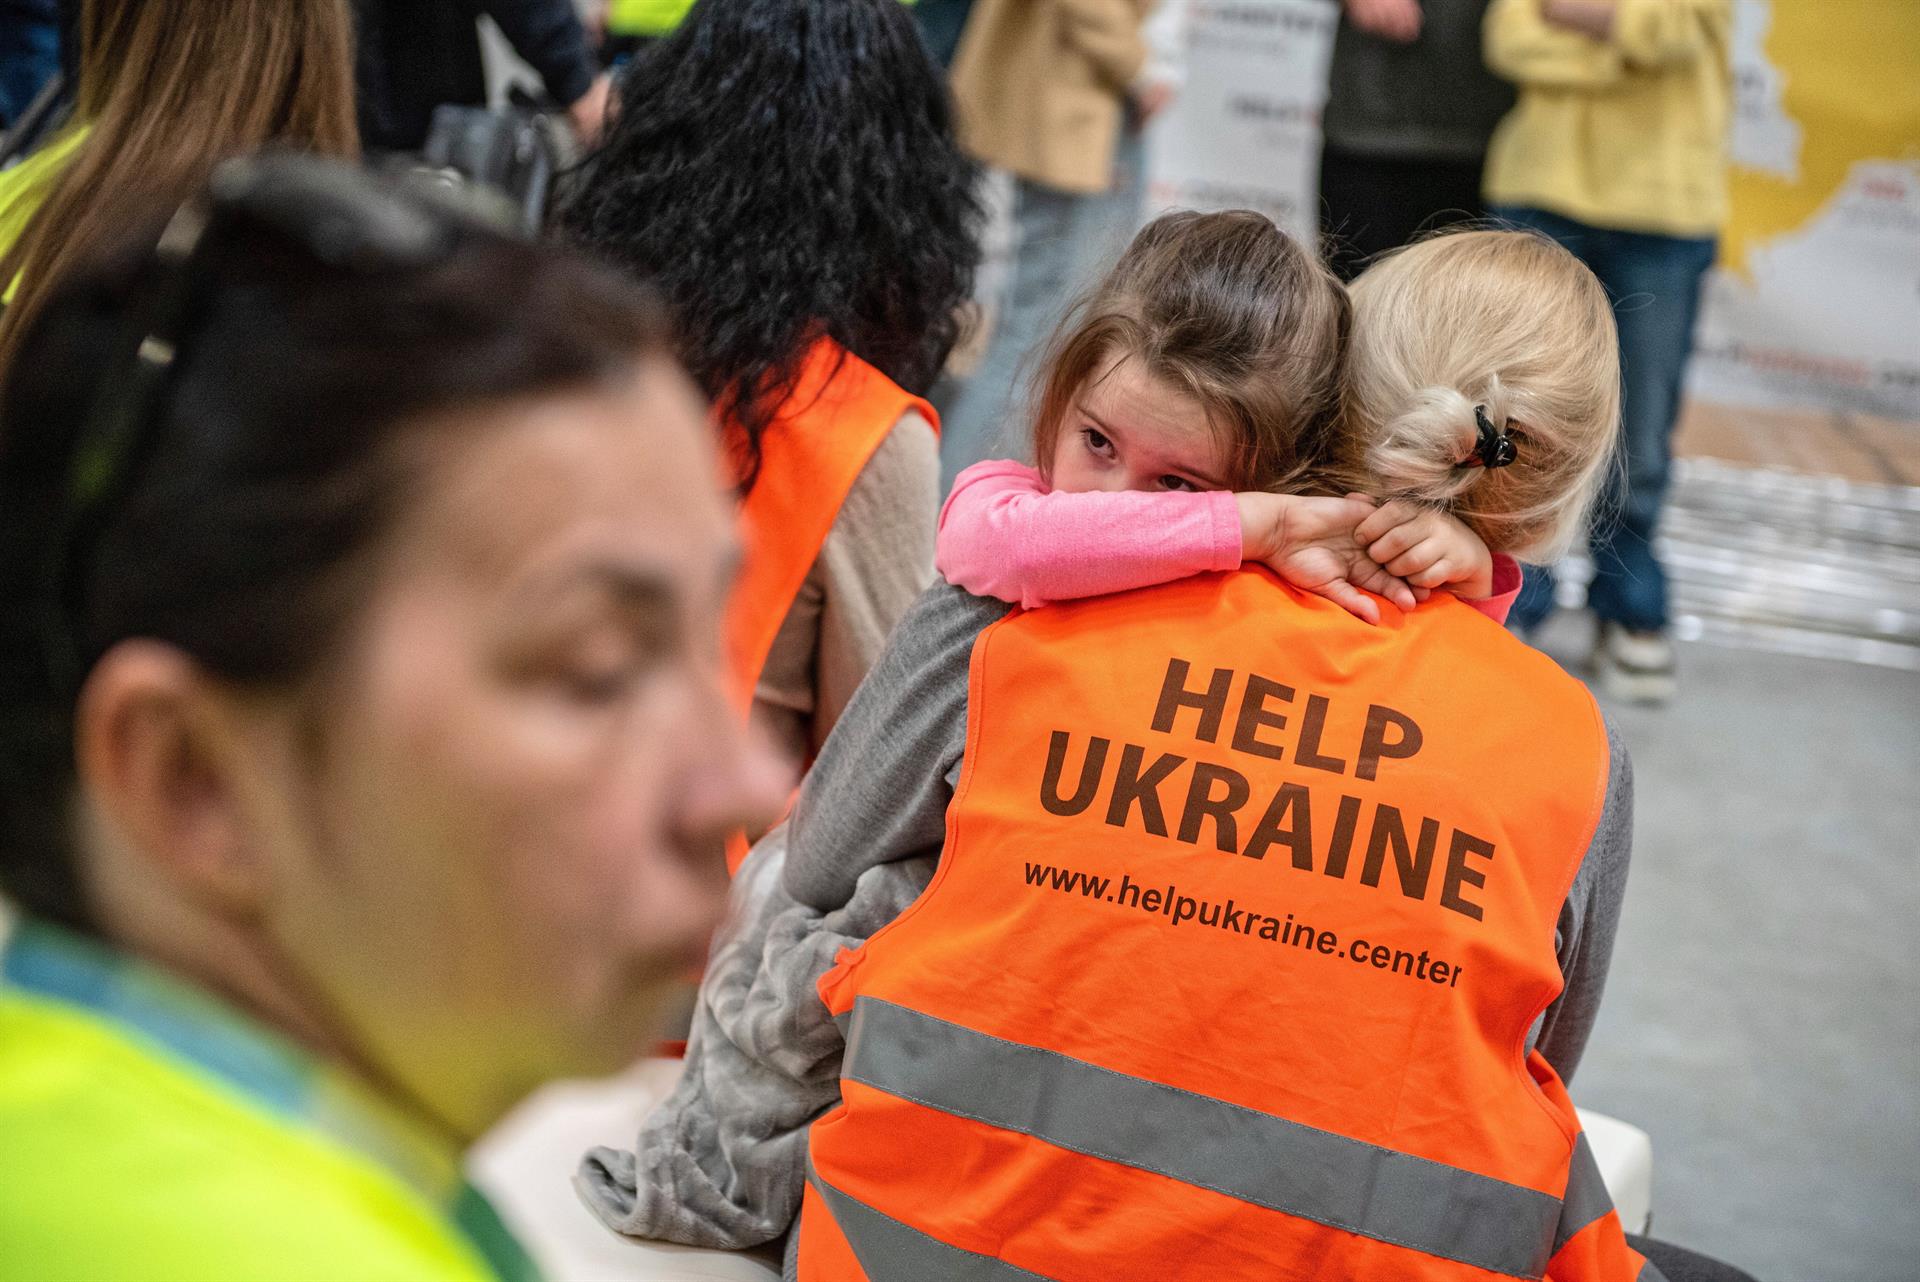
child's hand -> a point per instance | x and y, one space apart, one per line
1428 549
1311 543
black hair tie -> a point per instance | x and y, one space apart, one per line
1494 447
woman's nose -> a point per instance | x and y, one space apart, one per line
739 782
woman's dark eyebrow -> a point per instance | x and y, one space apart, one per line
633 587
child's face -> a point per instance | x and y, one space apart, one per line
1129 431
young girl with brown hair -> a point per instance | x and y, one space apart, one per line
1184 415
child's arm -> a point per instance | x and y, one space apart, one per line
1431 549
1003 534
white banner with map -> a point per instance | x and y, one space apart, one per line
1816 303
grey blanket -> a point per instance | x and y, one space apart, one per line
722 1161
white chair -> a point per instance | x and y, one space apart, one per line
1625 1157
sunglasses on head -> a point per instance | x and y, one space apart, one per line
342 218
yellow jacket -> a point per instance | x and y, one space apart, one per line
24 187
1629 132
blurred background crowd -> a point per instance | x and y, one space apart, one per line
1748 600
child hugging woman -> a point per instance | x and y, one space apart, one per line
1215 401
1182 418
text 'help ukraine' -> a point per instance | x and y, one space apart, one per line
1339 836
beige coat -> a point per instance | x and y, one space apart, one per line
1041 86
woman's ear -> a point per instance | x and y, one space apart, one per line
162 763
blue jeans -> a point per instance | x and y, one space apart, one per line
1066 242
1655 285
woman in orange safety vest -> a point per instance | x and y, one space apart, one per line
1262 937
784 172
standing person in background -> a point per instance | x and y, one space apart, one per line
785 173
1410 106
414 55
632 25
363 764
166 92
1617 148
1056 93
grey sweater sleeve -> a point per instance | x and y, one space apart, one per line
879 790
722 1160
1583 937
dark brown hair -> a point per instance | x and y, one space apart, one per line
1229 309
779 170
302 410
166 92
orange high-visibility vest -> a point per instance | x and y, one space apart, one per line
1245 912
811 453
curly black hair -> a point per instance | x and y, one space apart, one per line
780 169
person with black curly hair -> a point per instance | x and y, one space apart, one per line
784 172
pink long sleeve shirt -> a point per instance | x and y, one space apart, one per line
1004 534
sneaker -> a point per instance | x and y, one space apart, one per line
1634 666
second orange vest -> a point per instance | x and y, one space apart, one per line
839 410
1245 913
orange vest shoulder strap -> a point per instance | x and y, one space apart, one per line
813 451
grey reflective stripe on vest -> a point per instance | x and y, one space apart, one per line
890 1251
1259 1158
1586 1202
1586 1198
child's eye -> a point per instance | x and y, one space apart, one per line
1097 442
1171 482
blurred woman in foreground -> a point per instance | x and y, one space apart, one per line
362 762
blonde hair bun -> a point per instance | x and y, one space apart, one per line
1424 451
1504 319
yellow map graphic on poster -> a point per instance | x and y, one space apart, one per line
1816 304
1834 82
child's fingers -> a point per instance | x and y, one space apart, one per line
1396 542
1421 594
1376 580
1351 599
1415 559
1439 574
1383 519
